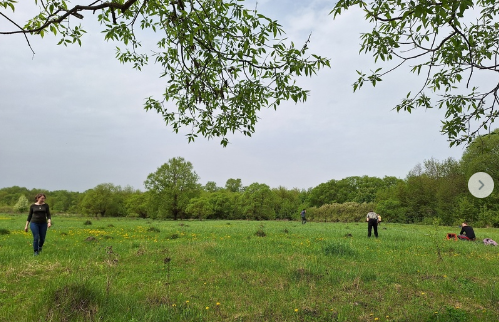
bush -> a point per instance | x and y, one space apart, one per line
6 209
344 212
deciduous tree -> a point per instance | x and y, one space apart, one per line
103 200
172 186
22 204
258 202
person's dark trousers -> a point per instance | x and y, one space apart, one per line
372 224
303 220
39 232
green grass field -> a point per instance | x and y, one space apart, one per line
113 269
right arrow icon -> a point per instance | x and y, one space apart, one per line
481 185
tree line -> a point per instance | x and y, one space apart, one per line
432 192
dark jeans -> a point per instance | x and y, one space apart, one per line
303 220
39 232
372 223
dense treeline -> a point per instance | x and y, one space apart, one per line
433 192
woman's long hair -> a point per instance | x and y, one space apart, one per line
39 195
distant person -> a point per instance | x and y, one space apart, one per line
467 232
302 214
372 223
39 219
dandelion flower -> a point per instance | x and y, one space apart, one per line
218 303
207 307
296 310
376 319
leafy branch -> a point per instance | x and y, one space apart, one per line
445 39
222 63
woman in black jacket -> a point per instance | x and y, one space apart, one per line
39 219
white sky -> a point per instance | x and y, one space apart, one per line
72 118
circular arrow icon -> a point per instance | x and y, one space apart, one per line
481 185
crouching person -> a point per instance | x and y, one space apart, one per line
467 232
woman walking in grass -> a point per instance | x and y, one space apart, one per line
39 219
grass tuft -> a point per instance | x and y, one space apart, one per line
4 231
73 302
338 249
260 233
154 229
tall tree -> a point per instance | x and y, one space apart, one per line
211 186
9 196
482 155
287 203
324 193
222 62
103 200
234 185
257 202
172 186
63 201
136 204
451 43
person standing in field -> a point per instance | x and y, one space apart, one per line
302 214
372 223
39 220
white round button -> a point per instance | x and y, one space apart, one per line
481 185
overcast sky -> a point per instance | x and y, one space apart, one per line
72 117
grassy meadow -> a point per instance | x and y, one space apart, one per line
119 269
